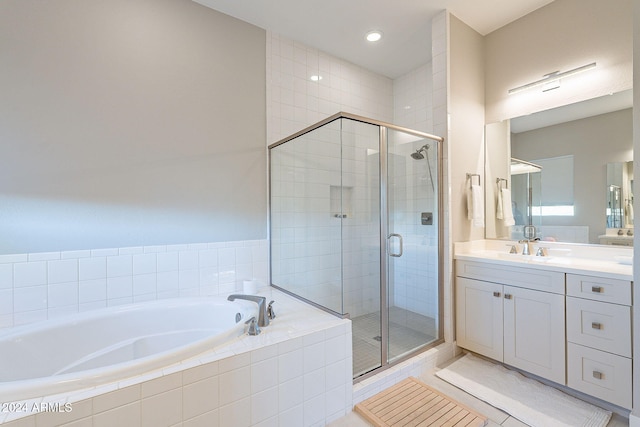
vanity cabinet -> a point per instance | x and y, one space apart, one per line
514 315
599 337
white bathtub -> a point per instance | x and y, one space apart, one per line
114 343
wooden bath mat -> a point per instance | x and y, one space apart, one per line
413 403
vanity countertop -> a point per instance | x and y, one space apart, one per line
592 260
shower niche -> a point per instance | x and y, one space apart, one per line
347 202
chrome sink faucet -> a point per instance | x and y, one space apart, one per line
527 246
263 319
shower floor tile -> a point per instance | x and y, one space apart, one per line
407 331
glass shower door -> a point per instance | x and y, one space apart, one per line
412 244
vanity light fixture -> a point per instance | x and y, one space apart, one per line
316 77
552 80
374 36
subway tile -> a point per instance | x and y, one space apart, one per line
62 271
234 385
119 287
92 268
208 258
200 397
6 276
264 405
314 383
292 417
122 416
92 290
144 263
168 261
30 298
119 266
162 410
116 398
62 294
200 372
75 254
290 393
168 281
161 385
6 301
264 375
25 317
30 274
104 252
236 414
226 257
144 284
44 256
7 259
131 250
188 260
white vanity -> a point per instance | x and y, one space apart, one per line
565 317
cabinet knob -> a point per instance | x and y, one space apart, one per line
596 325
597 289
496 294
508 296
598 375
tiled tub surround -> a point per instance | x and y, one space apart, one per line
42 286
297 372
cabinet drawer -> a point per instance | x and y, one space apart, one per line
600 374
522 277
599 325
599 289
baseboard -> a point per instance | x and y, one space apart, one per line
634 420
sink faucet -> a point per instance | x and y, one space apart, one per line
263 318
527 247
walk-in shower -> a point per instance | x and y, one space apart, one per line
355 228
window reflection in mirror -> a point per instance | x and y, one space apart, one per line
574 145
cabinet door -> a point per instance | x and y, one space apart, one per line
479 317
534 337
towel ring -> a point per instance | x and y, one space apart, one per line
470 177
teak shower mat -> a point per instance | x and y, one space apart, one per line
412 403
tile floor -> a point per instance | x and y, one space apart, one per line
407 332
496 416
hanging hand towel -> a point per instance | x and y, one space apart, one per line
506 207
475 206
629 212
499 205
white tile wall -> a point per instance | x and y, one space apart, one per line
41 286
296 373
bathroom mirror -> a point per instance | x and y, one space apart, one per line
619 195
574 145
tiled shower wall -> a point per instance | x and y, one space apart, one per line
41 286
294 101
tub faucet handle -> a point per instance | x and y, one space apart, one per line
271 314
253 328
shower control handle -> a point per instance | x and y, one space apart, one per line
399 254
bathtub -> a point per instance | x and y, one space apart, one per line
101 346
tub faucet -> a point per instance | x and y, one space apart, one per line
263 319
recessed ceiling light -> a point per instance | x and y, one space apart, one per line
374 36
316 78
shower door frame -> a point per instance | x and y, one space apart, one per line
384 234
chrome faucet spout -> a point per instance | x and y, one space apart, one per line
263 319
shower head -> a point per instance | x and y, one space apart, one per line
418 154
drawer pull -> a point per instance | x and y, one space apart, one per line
508 296
596 325
597 289
496 294
598 375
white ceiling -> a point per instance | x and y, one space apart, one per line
338 27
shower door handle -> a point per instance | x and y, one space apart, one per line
399 254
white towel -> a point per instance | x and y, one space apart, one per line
629 212
475 206
500 205
506 207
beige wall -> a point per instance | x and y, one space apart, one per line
466 127
129 122
561 36
496 166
